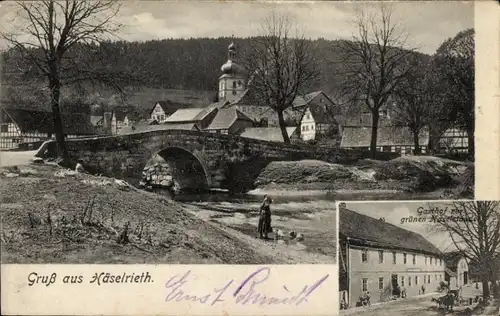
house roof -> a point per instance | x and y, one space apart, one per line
270 134
168 106
367 231
144 127
301 101
452 258
189 115
96 119
322 114
41 121
119 112
386 136
225 118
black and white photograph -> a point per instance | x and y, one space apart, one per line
419 258
224 132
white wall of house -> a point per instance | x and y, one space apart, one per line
158 114
307 126
463 276
372 270
126 121
11 136
454 139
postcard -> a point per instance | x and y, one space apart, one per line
186 157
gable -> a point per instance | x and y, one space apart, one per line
158 110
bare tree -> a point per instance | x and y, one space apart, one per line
280 65
376 62
54 37
454 62
474 228
413 106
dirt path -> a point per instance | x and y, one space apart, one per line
16 158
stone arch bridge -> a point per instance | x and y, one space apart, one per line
208 160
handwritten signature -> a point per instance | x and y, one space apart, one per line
246 292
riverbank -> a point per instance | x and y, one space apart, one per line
52 215
400 178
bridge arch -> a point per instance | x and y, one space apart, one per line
183 166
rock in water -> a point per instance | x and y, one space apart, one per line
300 237
37 160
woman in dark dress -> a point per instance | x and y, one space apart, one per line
265 218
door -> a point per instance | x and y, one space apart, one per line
466 278
395 286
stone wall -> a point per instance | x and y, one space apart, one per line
225 159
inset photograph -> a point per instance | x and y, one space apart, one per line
419 258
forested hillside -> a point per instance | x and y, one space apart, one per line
181 64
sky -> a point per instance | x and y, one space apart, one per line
394 212
427 23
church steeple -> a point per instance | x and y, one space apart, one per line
232 81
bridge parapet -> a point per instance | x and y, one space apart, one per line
227 161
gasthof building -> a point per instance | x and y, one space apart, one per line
378 257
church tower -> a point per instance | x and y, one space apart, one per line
232 81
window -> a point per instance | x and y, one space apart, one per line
416 280
234 92
414 259
364 256
430 260
402 281
303 128
364 285
4 128
409 281
425 278
425 259
428 279
440 262
380 283
312 127
394 257
404 258
380 256
234 84
436 277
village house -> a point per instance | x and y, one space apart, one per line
163 109
319 124
271 134
356 133
378 257
229 121
19 126
201 117
457 270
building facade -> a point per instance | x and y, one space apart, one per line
382 259
457 270
18 126
229 121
